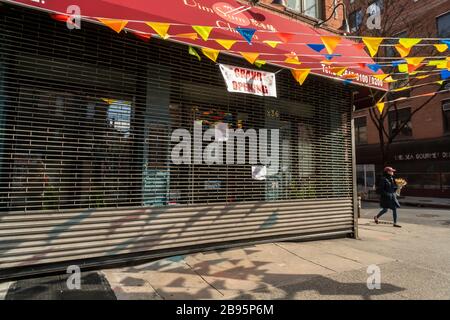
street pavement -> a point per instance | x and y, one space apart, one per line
413 261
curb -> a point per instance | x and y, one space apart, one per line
416 204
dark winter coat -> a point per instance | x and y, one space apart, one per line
388 198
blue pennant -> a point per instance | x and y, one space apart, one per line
374 67
347 81
445 74
447 42
246 33
316 47
396 63
331 56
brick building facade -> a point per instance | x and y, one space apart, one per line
421 152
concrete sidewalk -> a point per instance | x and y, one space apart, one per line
413 260
412 267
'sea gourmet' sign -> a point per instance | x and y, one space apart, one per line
249 81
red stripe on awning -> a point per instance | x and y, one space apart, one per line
213 13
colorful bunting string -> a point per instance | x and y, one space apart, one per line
372 44
203 31
330 42
160 28
116 25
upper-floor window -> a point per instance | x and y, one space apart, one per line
400 121
312 8
443 25
361 130
446 112
355 20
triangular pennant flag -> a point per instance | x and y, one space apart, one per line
194 53
402 51
414 61
203 31
389 80
381 76
403 68
300 75
445 74
412 68
440 82
362 65
273 44
380 107
285 37
160 28
339 70
347 81
316 47
350 76
409 42
402 89
250 56
330 42
260 63
292 60
211 53
359 46
374 67
142 36
441 47
192 36
246 33
372 44
116 25
227 44
422 77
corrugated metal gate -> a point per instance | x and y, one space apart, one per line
86 121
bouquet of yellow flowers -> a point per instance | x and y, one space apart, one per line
400 184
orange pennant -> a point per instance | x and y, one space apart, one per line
250 56
441 47
359 46
116 25
191 36
300 75
339 70
402 50
142 36
330 42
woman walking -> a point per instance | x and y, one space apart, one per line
388 197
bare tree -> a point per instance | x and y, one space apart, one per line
396 18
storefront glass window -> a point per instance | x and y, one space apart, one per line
446 114
361 130
400 121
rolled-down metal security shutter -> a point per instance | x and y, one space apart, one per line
86 169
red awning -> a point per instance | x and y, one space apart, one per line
182 14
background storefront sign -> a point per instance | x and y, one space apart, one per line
422 156
249 81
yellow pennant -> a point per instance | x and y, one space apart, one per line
440 82
380 107
402 88
403 67
273 44
414 61
372 44
260 63
227 44
330 42
300 75
211 53
160 28
422 77
339 70
116 25
409 42
381 76
192 36
389 79
292 60
441 47
404 52
250 56
203 31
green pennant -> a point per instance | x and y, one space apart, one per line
194 53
